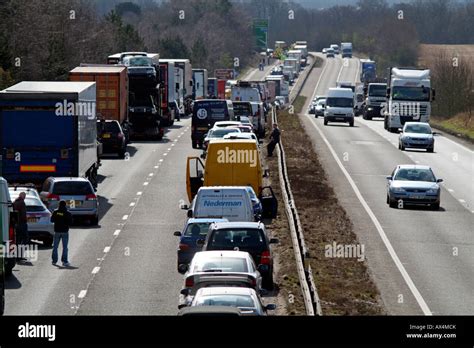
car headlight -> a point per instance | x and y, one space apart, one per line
398 189
432 191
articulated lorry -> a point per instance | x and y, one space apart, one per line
346 49
112 91
368 71
375 99
184 82
199 84
296 54
48 129
167 93
409 95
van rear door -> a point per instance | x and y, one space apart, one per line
194 176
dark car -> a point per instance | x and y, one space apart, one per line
244 236
206 112
194 230
112 137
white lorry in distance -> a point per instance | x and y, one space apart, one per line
409 95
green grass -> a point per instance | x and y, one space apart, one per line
459 125
299 103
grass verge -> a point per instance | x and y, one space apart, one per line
460 125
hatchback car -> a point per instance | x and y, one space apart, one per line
244 236
112 137
77 192
219 268
413 184
193 231
319 107
246 299
416 135
38 216
217 133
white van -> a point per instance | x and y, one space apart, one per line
230 202
7 229
339 106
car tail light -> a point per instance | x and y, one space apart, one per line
183 247
91 197
253 281
53 197
189 283
11 234
265 258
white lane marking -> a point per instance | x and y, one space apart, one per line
96 270
176 140
169 149
116 232
462 201
151 174
106 249
340 72
417 162
139 193
458 144
161 160
156 167
82 294
421 302
145 183
450 190
125 217
132 204
357 71
165 154
172 145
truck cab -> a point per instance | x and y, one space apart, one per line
409 95
375 100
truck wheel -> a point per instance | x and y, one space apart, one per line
195 146
48 242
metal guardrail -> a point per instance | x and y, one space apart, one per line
305 275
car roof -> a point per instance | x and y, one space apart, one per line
413 166
209 310
237 224
225 290
221 253
226 122
197 220
65 178
418 123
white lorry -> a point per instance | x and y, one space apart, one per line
296 54
346 49
409 96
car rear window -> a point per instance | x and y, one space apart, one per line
112 127
241 301
72 188
237 238
197 229
222 264
33 205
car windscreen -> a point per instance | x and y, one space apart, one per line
228 239
240 301
197 229
417 128
377 91
221 264
34 205
72 188
337 102
220 132
415 175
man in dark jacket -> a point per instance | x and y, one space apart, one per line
22 237
62 218
274 140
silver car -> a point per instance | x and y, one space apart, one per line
245 299
320 107
416 135
219 268
78 193
413 184
38 216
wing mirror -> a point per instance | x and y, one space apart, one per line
389 178
185 207
177 234
183 268
190 213
274 241
439 180
200 242
270 307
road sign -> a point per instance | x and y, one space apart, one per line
260 31
224 74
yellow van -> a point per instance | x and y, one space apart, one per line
230 162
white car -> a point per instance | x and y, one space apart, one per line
250 136
417 135
223 124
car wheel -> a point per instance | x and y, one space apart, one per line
267 281
402 147
388 200
195 145
392 204
121 154
431 149
2 294
351 124
9 268
434 206
393 130
94 221
48 241
325 122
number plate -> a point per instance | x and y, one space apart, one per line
339 118
32 219
75 203
106 136
416 197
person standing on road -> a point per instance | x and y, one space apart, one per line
22 237
274 140
62 219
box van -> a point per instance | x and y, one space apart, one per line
258 118
205 113
339 106
230 202
234 162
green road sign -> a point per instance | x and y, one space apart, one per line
260 31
